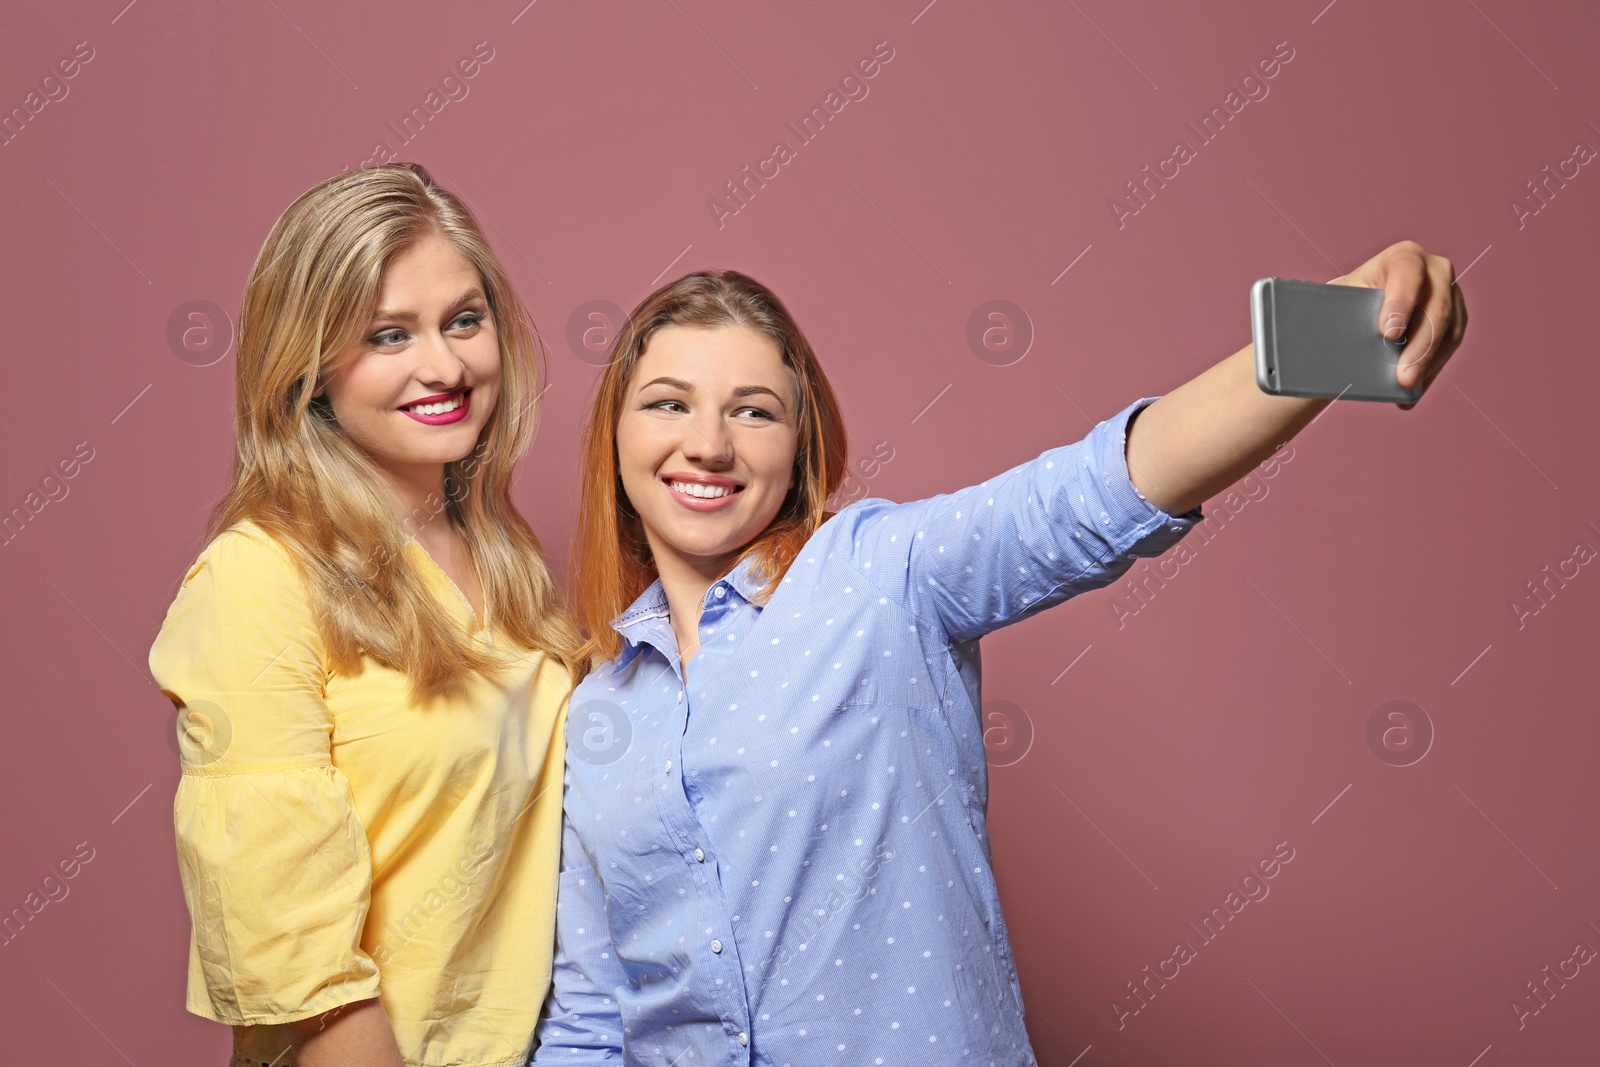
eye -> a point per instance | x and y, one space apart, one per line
661 405
388 338
759 413
468 320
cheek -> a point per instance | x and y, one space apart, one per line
484 359
641 449
365 384
777 465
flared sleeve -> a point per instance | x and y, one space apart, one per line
274 860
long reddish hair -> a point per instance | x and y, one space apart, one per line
611 560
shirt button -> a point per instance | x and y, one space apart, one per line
699 856
716 946
669 766
743 1040
721 592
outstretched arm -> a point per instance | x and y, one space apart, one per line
1203 436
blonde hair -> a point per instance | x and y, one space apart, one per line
310 297
611 559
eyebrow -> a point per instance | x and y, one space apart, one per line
411 316
741 391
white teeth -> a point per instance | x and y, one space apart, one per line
705 491
440 408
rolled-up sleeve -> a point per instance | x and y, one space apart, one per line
275 863
998 552
582 1019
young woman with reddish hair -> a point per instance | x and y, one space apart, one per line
774 845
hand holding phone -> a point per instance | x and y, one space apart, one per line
1317 340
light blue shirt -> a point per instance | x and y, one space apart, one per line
782 860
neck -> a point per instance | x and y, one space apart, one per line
685 580
417 493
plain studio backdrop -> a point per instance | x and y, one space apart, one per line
1376 656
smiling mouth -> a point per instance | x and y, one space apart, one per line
701 491
439 407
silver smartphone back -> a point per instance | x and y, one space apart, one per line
1318 340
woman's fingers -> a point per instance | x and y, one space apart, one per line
1432 347
1401 271
1445 312
1420 302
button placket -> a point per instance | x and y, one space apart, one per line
676 808
679 812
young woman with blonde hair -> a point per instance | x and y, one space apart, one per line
774 849
369 657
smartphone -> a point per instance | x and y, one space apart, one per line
1323 340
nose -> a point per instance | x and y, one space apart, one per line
706 440
437 363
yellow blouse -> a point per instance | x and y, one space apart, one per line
338 841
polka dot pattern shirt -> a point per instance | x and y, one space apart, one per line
782 858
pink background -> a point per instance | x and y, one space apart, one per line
1228 715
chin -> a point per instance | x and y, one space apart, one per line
432 456
700 548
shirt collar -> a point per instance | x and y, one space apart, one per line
650 610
